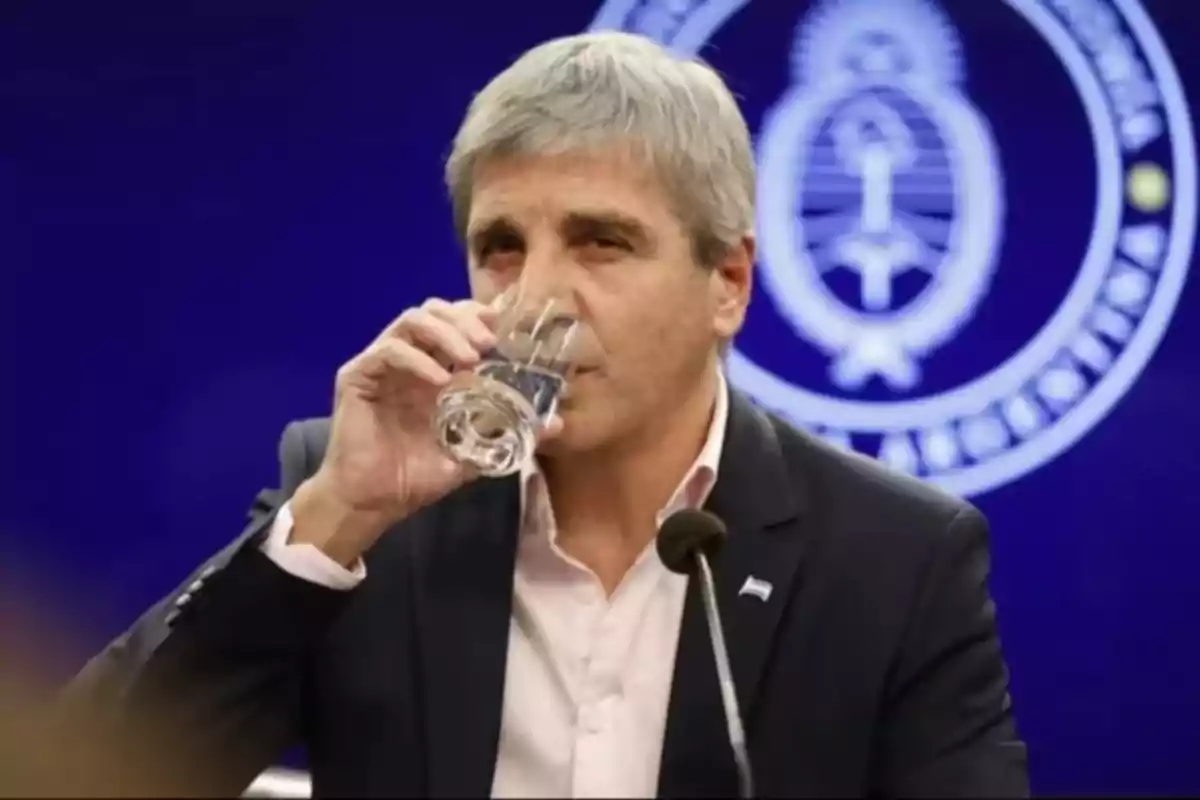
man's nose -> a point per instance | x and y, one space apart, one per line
546 281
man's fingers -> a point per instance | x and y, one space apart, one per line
396 355
472 319
428 342
437 335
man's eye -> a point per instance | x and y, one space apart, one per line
609 243
500 246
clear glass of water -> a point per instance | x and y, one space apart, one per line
489 418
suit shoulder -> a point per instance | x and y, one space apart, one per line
848 483
313 431
310 436
301 449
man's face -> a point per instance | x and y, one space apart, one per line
599 231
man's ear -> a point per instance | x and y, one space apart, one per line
731 283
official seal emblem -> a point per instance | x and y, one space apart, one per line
882 218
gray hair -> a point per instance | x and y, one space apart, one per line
597 90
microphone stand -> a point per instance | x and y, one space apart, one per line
733 717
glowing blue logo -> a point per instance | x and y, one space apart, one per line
875 166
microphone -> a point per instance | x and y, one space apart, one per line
686 541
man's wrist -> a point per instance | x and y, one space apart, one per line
341 532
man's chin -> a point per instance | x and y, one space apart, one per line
557 447
575 438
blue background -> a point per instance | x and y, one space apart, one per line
208 206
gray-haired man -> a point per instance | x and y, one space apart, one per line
425 634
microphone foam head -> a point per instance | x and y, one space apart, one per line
685 532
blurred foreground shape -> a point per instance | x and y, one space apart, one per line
58 744
53 748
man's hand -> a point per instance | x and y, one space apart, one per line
383 461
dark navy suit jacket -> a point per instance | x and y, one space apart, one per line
874 668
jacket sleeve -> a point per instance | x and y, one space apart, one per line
948 727
219 665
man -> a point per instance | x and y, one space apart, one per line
423 633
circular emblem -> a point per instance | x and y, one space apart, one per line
886 219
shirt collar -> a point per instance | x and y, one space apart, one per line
697 483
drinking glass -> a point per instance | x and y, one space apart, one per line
489 417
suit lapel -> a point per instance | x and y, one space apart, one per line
464 585
760 501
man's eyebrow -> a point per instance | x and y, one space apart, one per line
481 231
614 221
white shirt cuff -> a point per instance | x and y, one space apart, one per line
305 561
